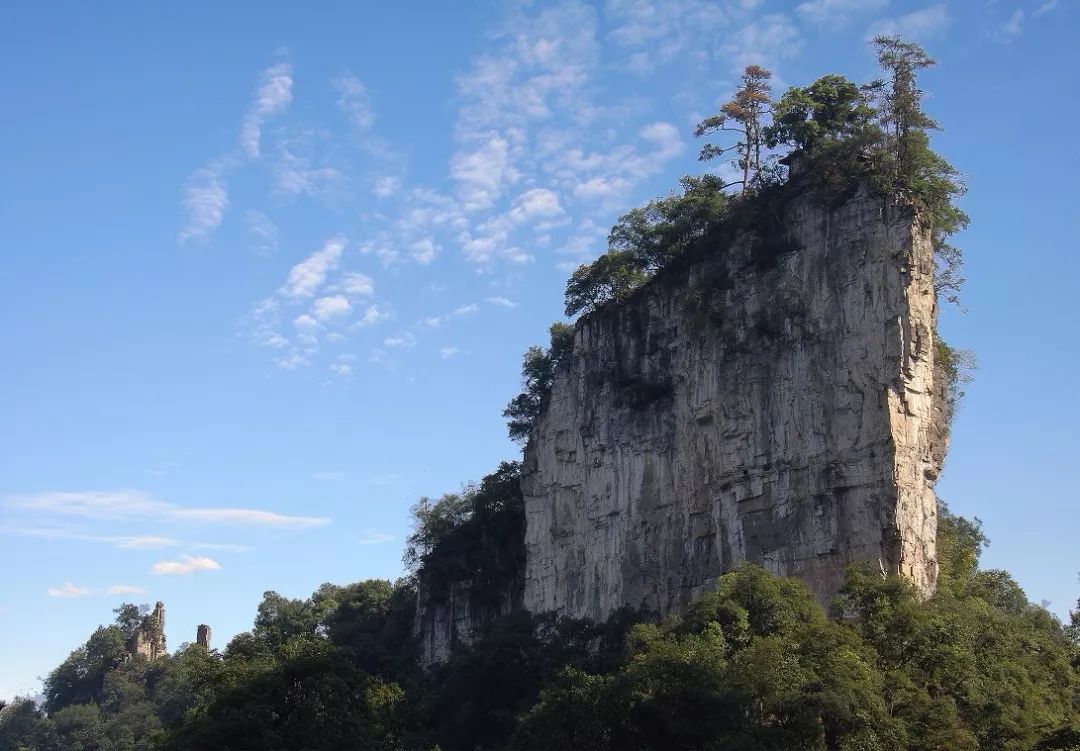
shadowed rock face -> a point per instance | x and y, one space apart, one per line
781 412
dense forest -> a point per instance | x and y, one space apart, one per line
755 664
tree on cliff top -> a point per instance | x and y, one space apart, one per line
909 167
537 376
745 115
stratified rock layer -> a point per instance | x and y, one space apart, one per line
778 410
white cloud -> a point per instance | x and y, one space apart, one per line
125 589
1014 27
354 101
536 203
466 310
836 12
132 504
188 564
205 200
764 42
668 30
263 231
273 97
601 187
306 277
423 251
342 369
372 316
502 302
306 323
665 136
135 542
447 352
356 284
295 176
405 340
483 173
69 590
272 339
333 306
1046 7
927 23
384 187
146 542
224 546
291 361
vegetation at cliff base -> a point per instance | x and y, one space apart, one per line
756 664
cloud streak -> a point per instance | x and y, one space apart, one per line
273 97
134 504
69 590
206 198
125 589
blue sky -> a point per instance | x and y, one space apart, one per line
269 271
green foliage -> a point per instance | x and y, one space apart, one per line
80 679
832 108
976 666
755 664
842 135
744 115
537 376
648 239
475 536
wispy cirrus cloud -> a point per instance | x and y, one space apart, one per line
306 277
131 542
928 23
273 96
354 101
69 590
206 194
263 231
206 197
765 41
836 13
124 542
187 564
125 589
127 504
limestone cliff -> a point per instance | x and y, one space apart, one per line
453 613
779 410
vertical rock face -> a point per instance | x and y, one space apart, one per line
780 410
148 639
453 613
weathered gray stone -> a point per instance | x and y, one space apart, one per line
202 636
450 614
148 638
789 417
